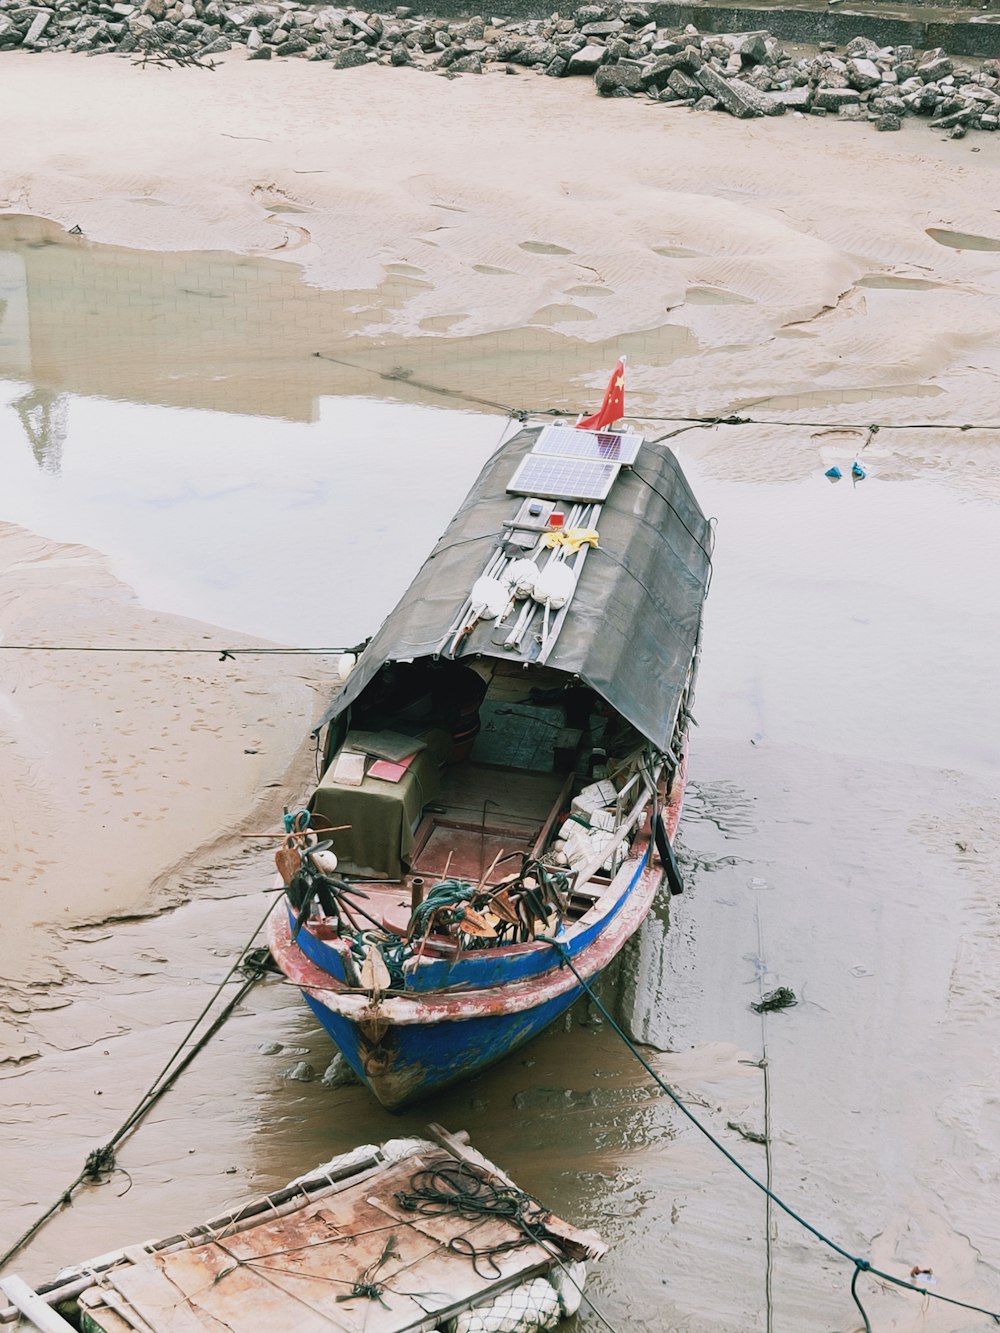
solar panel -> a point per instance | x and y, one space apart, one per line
568 442
553 478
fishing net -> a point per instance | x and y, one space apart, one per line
535 1305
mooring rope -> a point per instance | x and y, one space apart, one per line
225 654
402 375
860 1265
102 1161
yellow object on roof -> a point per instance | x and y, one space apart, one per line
573 539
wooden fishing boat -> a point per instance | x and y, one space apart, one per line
412 1235
504 766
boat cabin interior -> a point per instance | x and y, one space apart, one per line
447 769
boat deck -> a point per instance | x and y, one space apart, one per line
482 813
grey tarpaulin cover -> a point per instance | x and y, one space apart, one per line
634 619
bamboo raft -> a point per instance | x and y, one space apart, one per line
413 1235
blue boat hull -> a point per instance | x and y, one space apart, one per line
405 1046
412 1061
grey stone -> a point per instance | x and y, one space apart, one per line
38 25
753 47
939 68
364 27
760 77
589 14
262 53
737 97
683 84
888 122
892 106
657 73
351 58
339 1074
861 46
572 43
862 74
293 47
538 52
706 103
604 29
511 47
956 118
587 60
612 80
300 1073
793 99
470 64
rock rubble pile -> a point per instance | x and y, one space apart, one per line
620 47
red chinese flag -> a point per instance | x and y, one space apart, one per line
613 406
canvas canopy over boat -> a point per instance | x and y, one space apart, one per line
410 1235
505 764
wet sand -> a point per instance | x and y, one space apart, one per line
841 831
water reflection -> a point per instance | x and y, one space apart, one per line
235 334
42 414
208 331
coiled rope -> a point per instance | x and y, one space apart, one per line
456 1188
860 1265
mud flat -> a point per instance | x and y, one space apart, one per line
841 835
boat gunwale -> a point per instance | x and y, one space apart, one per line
432 1006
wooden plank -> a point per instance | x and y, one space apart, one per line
153 1298
558 805
96 1317
219 1290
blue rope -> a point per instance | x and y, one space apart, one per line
860 1265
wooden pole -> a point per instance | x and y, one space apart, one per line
37 1312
